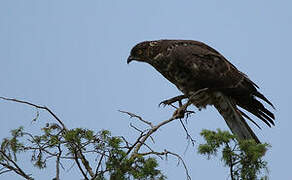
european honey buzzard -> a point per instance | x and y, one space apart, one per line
205 77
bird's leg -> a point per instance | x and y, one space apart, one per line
182 110
173 100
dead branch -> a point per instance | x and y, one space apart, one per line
38 107
189 137
138 117
149 132
2 171
138 144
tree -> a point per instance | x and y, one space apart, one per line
116 158
244 158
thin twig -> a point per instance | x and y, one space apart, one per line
150 132
37 106
153 129
138 117
188 134
184 164
137 129
98 165
134 145
5 171
126 142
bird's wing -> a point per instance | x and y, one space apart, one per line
209 69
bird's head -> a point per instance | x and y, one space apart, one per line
144 51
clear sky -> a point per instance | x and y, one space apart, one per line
70 55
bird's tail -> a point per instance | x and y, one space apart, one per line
233 117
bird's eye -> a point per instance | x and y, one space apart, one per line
139 52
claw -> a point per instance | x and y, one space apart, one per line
172 100
188 113
182 111
164 103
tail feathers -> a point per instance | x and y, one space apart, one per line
233 117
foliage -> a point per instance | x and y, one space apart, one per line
112 152
243 157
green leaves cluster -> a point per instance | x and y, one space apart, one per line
244 158
12 146
140 168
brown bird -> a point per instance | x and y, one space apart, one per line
205 77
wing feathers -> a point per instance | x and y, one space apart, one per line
261 96
209 69
256 108
247 117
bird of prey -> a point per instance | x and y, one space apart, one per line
206 77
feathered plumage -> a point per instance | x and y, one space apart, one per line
193 65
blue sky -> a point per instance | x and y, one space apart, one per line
71 56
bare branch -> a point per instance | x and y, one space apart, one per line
138 144
37 106
126 142
150 132
5 171
134 145
137 129
141 131
189 137
138 117
98 166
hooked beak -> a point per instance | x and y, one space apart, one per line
130 58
